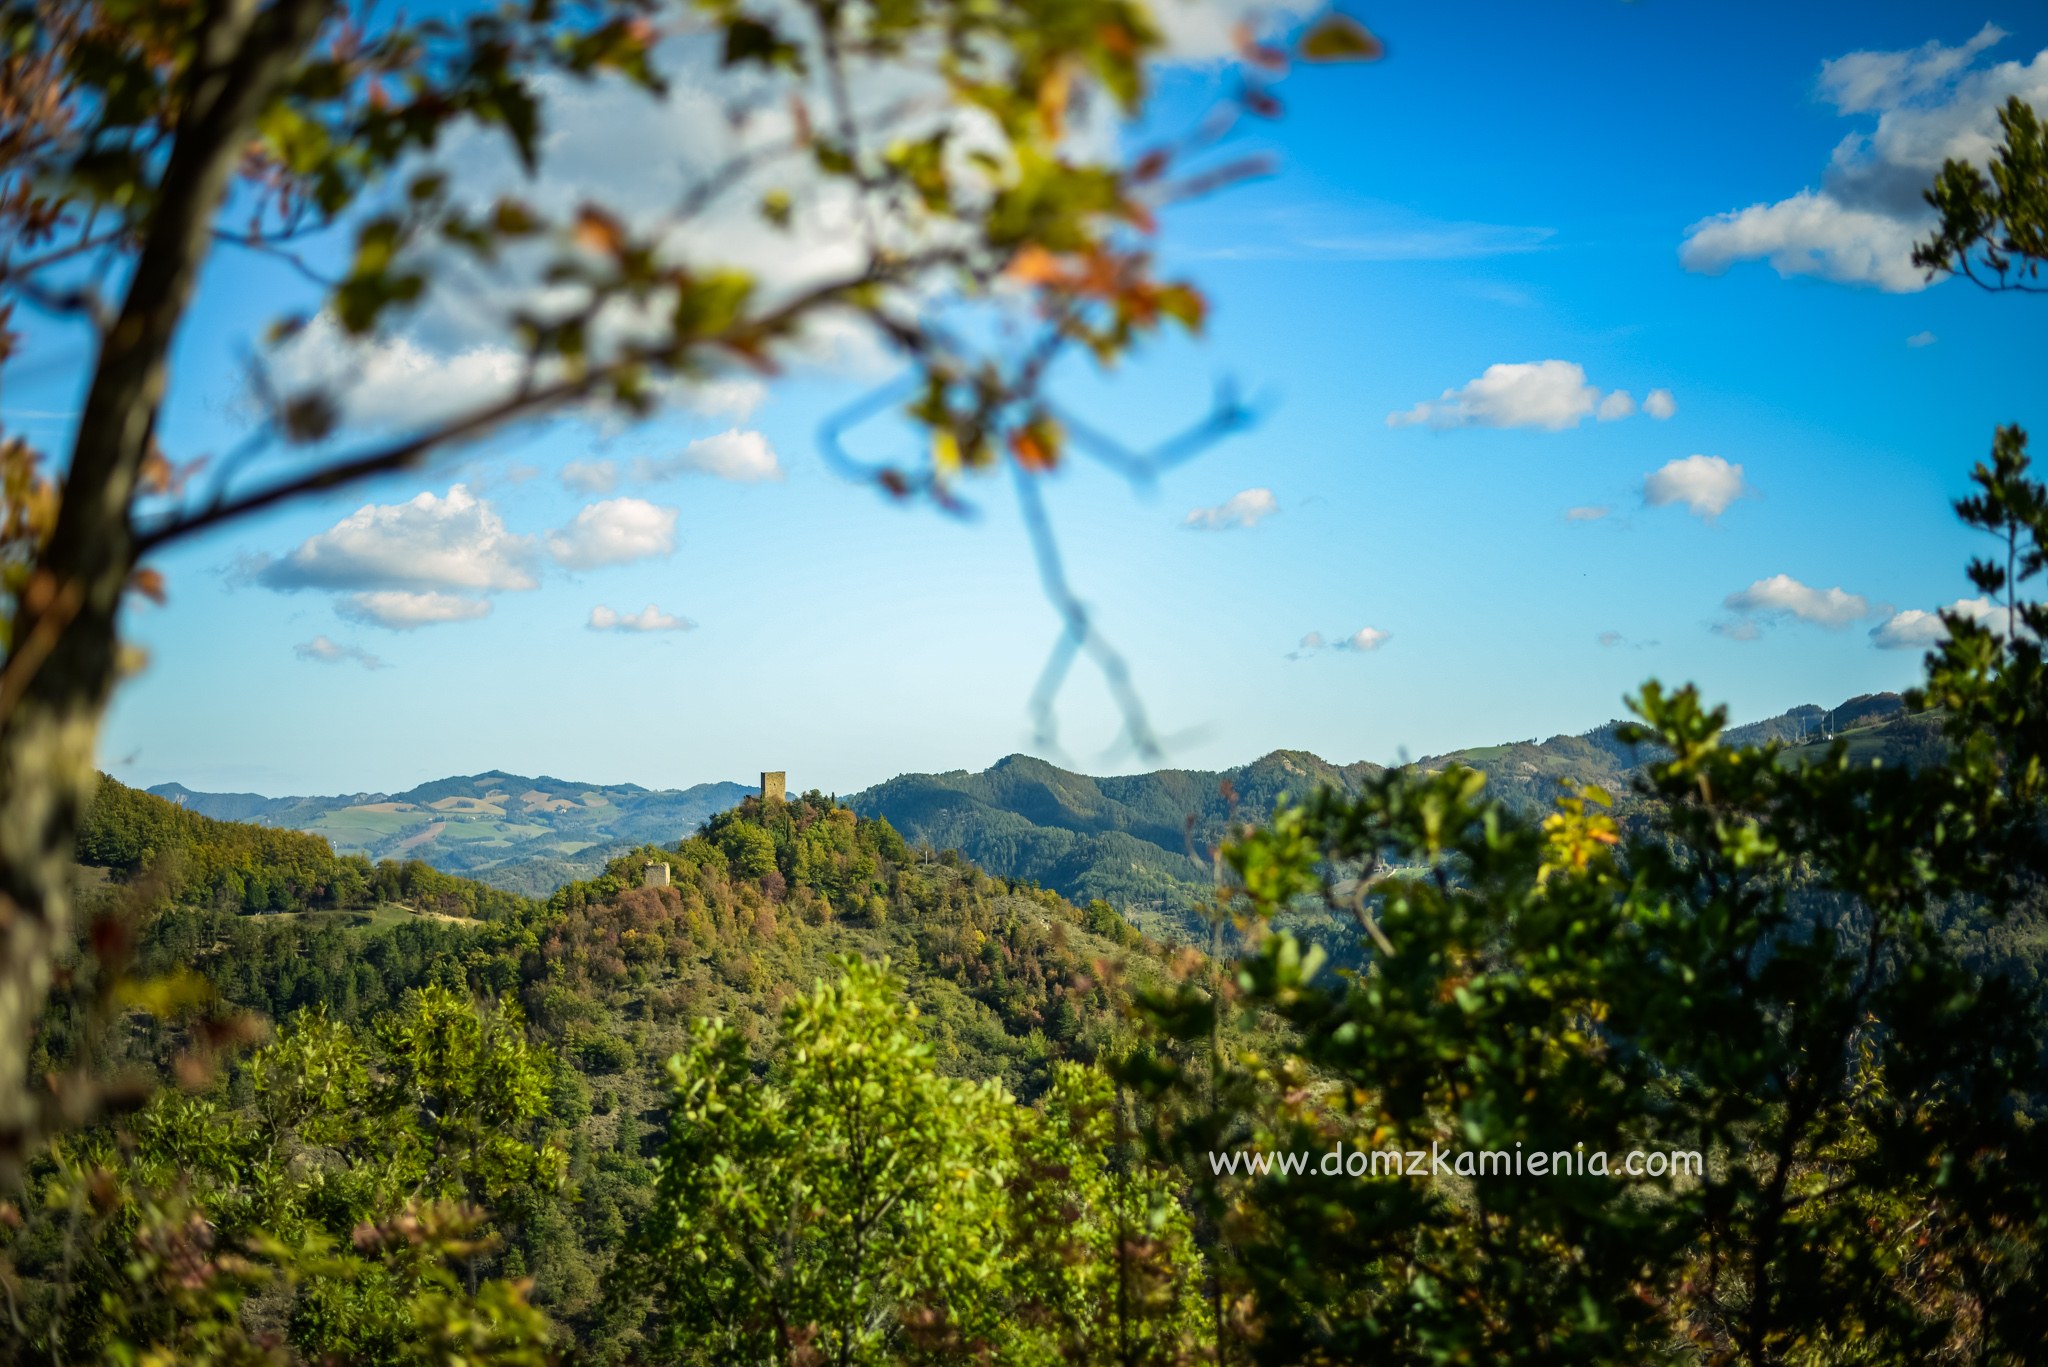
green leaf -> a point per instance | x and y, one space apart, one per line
1340 38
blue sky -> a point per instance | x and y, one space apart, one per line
1651 197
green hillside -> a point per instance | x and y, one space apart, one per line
525 835
1140 841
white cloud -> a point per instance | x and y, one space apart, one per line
1706 485
1914 629
1199 31
406 381
744 457
1361 641
617 531
1587 512
1552 395
733 397
401 610
1809 234
321 650
1933 103
1246 508
1920 339
1783 596
1659 404
1866 82
649 618
393 381
1610 638
1618 404
455 541
590 476
1365 638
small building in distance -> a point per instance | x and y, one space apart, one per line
774 785
655 876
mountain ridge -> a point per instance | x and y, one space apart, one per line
1135 840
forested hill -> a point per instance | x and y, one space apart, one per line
1129 839
527 835
594 989
193 860
758 902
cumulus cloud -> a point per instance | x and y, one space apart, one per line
393 381
1246 508
743 457
616 531
403 380
649 618
403 610
1933 103
1706 485
1659 404
452 541
1920 339
1915 629
1313 641
321 650
1587 512
1812 233
1785 598
1552 395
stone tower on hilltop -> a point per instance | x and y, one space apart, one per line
774 785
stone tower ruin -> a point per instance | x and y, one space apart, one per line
774 785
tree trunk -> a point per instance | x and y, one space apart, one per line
49 738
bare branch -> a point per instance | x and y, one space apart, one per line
1080 634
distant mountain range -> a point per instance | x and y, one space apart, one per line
527 835
1126 839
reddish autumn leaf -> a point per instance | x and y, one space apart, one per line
599 232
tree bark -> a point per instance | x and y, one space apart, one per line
49 738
